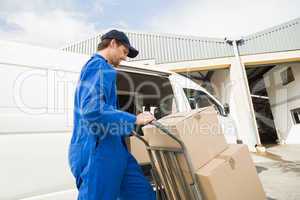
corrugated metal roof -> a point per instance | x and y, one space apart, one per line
168 48
164 48
284 37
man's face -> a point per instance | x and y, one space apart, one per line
118 53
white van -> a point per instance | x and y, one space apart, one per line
37 89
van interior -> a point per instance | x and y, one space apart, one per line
135 95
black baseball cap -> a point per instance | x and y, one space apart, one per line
122 37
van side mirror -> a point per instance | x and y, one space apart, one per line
226 108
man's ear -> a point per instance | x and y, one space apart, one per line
113 43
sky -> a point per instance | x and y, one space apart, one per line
56 23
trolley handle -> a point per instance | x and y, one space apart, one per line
164 129
140 138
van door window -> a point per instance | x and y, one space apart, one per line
199 99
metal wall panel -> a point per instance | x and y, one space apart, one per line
164 48
284 37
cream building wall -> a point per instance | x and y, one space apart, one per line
283 99
229 83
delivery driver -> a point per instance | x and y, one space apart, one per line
99 160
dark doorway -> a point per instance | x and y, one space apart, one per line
261 104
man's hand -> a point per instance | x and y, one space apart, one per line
144 118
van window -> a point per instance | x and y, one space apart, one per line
197 98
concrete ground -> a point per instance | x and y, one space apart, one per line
279 171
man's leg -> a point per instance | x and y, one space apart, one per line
134 185
102 178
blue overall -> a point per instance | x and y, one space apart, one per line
98 157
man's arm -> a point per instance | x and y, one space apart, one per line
94 108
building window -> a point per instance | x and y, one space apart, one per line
296 115
287 76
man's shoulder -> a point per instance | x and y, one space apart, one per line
96 62
97 65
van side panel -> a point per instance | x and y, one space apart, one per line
35 130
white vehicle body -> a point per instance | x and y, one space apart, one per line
37 88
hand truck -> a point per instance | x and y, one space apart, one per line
169 178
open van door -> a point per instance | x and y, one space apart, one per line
197 97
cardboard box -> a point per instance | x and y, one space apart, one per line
199 130
231 176
138 150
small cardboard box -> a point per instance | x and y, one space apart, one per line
231 176
199 130
139 151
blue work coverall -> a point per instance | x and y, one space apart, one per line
98 157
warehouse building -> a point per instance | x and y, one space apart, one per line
257 75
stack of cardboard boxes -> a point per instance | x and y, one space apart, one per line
224 171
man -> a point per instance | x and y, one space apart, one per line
99 160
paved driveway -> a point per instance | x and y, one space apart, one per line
279 171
